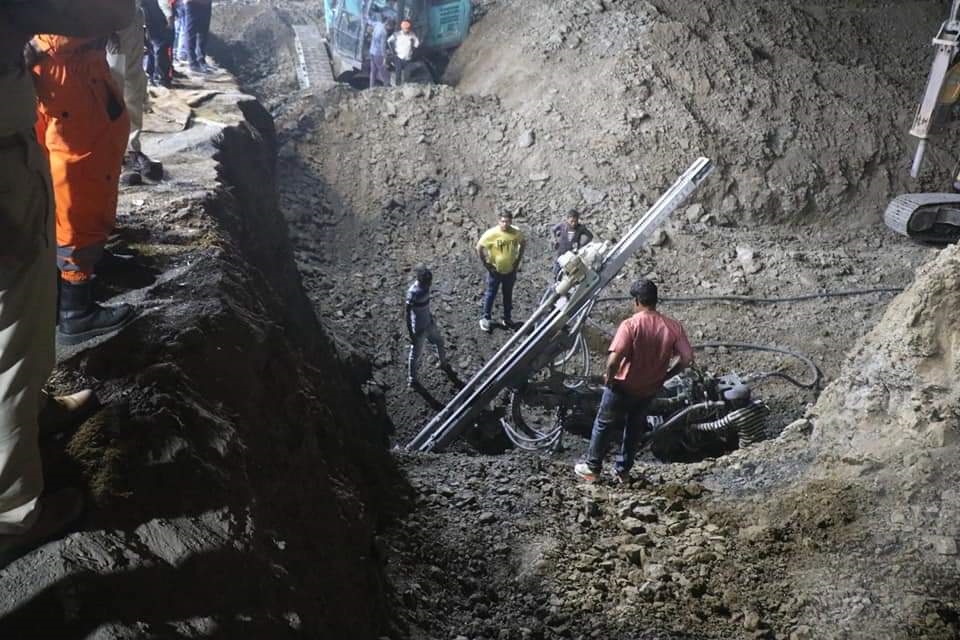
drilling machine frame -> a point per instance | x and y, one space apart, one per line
555 327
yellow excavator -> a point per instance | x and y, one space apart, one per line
933 217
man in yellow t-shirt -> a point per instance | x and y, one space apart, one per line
500 250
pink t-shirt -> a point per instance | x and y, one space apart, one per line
648 340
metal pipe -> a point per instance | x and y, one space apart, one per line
918 158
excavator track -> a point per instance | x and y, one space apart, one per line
925 217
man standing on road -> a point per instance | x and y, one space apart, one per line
641 357
28 268
404 42
500 250
378 54
569 236
421 326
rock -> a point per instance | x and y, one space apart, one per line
632 552
694 212
486 517
751 620
802 632
659 238
526 139
644 513
654 571
540 176
592 196
944 545
390 109
411 91
633 525
495 135
469 184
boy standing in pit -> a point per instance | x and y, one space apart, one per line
421 326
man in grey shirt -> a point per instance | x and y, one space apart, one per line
421 327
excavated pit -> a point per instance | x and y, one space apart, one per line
599 105
242 478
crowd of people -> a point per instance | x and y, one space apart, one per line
74 80
648 348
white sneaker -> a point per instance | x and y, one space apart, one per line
485 324
583 470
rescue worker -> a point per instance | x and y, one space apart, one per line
569 235
196 29
82 123
27 267
500 250
404 44
638 363
421 325
125 57
378 53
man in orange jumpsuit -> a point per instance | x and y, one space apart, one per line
83 124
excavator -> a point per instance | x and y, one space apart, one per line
933 217
441 25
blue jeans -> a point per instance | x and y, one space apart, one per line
196 29
494 281
621 412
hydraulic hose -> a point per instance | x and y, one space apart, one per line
761 375
763 300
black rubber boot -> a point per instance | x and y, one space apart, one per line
80 318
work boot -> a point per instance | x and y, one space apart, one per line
485 324
80 318
137 161
131 178
511 324
60 413
57 512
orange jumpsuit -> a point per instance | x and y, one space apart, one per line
83 124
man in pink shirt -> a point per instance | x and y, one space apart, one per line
648 348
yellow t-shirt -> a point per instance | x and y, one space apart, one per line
503 248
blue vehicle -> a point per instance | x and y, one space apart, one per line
441 25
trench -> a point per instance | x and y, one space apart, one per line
241 472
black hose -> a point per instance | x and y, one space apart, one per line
761 300
811 365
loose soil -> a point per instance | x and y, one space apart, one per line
842 526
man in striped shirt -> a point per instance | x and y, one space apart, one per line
421 326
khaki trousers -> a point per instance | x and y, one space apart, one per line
28 298
127 68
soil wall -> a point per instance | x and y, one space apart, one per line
239 474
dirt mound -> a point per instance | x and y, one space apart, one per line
804 106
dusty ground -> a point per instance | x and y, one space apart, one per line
600 105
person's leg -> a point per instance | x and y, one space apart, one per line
191 23
398 75
610 416
413 360
635 426
205 11
436 339
508 281
181 42
490 294
27 309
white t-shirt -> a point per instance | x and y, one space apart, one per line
404 44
